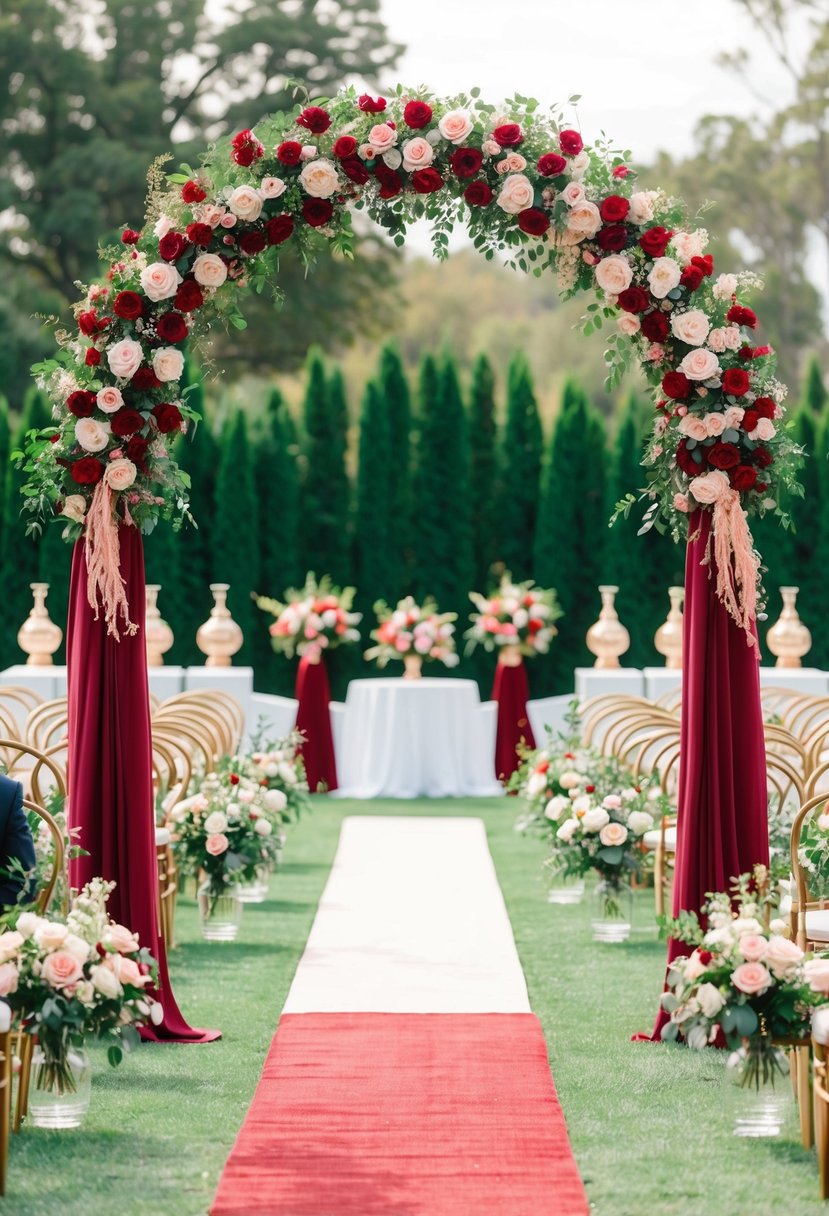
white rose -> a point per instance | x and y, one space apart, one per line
613 834
286 772
163 225
120 474
595 819
382 137
764 430
85 992
49 935
74 508
567 830
663 277
689 244
308 152
319 178
106 982
215 823
536 784
516 194
782 957
691 327
77 947
160 280
628 794
573 193
124 358
455 125
417 153
556 807
628 324
246 202
209 270
580 164
711 1000
641 207
91 435
582 804
168 363
584 219
640 822
275 800
109 399
700 365
272 187
262 827
28 923
725 286
614 274
569 779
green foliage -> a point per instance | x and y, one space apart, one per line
235 541
520 470
393 388
324 526
815 394
483 470
374 539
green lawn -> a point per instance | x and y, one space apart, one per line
649 1125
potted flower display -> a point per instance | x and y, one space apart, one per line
414 633
517 621
312 620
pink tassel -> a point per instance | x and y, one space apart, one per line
103 563
737 564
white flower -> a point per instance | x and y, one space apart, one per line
557 806
691 327
782 956
614 274
28 923
584 219
77 947
725 286
582 804
569 779
641 207
168 363
689 245
663 277
319 178
163 225
246 202
580 164
124 358
536 784
49 935
275 800
262 827
105 982
573 193
594 820
209 270
272 187
215 823
91 435
567 830
120 474
516 194
640 822
74 508
160 280
393 158
85 992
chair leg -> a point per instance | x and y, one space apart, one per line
25 1051
821 1114
802 1056
5 1105
659 879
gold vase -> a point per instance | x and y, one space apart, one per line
788 638
668 637
608 638
158 635
219 637
413 665
510 655
39 637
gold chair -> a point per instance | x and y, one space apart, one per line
46 724
820 1043
6 1058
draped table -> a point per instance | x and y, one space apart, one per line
428 738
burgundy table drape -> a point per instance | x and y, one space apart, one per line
110 768
511 690
313 718
723 800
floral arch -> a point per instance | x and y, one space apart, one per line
523 184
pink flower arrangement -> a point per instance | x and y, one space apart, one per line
517 614
314 619
413 629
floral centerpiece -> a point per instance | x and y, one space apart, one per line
275 764
312 620
413 632
517 615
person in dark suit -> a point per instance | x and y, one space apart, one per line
15 842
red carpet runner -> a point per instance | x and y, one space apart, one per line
373 1114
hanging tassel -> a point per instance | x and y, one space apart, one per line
104 582
738 567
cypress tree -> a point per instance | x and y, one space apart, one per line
198 454
572 522
815 394
483 471
5 449
520 471
164 550
340 482
235 531
324 513
396 400
811 610
376 531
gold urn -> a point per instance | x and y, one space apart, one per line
158 635
219 637
668 637
788 638
39 636
608 638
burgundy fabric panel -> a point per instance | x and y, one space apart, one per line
110 767
313 718
511 690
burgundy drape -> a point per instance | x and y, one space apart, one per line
110 768
723 800
511 690
313 718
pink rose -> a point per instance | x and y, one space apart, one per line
764 430
715 424
8 979
681 503
628 324
382 137
417 153
168 363
160 281
127 970
455 125
516 194
246 202
573 194
118 937
124 358
216 845
109 399
228 220
209 270
61 968
515 163
753 947
613 834
613 274
693 426
91 435
663 277
700 365
782 957
691 327
584 218
733 417
751 978
120 474
319 178
212 213
816 974
271 187
709 487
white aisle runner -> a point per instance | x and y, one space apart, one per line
412 920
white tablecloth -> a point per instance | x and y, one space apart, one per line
427 738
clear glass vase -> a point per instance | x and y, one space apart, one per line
60 1088
566 889
220 915
758 1088
255 891
612 910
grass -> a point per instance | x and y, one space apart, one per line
650 1125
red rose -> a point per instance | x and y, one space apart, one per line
551 164
634 299
172 327
199 234
478 194
762 457
87 471
765 407
750 420
315 120
233 778
654 241
246 148
391 183
613 238
126 422
691 277
570 142
192 192
417 114
371 105
172 246
137 450
614 209
620 171
88 323
533 221
355 170
704 262
92 357
279 229
130 237
345 146
745 353
145 379
676 385
252 242
465 162
81 403
289 152
735 382
704 957
686 461
426 181
317 211
655 326
129 305
724 455
167 417
738 314
508 135
743 477
189 296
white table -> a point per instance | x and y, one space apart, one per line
427 738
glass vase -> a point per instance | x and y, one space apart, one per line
612 910
256 890
220 914
758 1088
60 1088
566 889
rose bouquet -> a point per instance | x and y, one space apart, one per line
74 977
413 630
314 619
275 764
517 614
